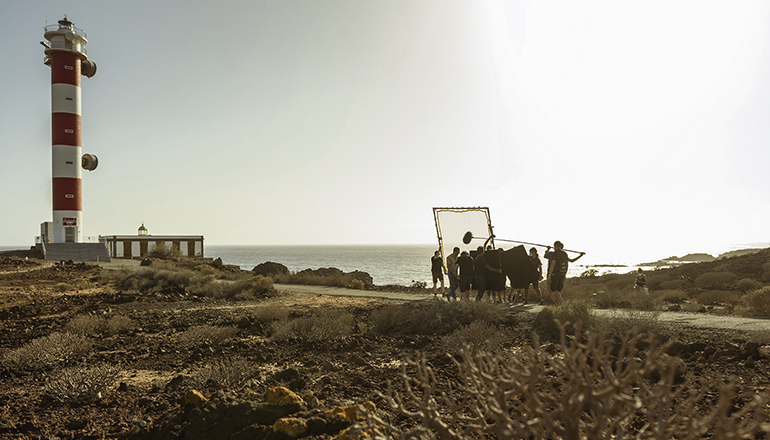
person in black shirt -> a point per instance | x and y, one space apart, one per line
437 270
465 263
480 267
558 264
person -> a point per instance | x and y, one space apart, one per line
535 284
465 264
558 264
480 267
437 270
641 282
451 265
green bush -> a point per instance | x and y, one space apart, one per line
62 287
756 303
434 318
325 325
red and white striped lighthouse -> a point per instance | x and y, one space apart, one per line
68 60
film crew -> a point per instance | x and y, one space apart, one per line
558 264
480 267
465 264
437 271
451 265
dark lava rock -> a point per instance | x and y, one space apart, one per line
269 268
146 262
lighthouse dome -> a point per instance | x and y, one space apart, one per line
142 230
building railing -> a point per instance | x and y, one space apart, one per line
56 27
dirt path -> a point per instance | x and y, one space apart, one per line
698 320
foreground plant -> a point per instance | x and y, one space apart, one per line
79 385
582 388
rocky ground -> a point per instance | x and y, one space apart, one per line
159 380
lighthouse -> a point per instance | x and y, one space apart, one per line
66 55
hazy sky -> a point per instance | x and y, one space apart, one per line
608 125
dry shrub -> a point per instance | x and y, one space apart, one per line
164 252
89 325
271 313
62 287
173 279
756 303
586 389
84 284
476 337
669 296
54 349
205 334
119 324
672 284
621 323
748 285
79 385
717 297
325 325
572 313
715 280
624 282
434 318
228 372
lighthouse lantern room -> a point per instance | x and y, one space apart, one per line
66 55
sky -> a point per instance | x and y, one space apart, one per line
615 127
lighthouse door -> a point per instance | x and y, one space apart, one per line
69 235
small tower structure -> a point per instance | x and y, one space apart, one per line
142 230
66 55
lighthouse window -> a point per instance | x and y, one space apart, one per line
68 130
68 67
68 99
69 196
69 162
